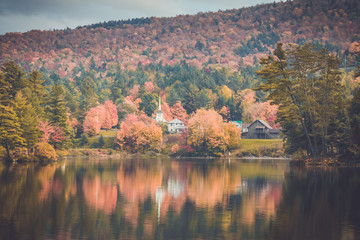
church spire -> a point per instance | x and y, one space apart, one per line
159 104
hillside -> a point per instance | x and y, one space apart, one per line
228 38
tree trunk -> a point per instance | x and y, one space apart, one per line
312 151
8 157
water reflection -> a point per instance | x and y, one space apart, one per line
163 199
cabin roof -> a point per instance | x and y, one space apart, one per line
263 123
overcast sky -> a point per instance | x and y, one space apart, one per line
25 15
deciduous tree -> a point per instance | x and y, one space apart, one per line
209 134
139 133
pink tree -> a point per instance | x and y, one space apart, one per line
110 117
92 121
134 92
149 87
179 112
51 133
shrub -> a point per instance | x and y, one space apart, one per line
44 151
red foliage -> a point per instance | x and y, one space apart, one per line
51 133
179 112
110 117
46 129
149 87
139 133
92 121
134 92
103 116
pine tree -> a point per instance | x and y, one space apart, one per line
12 80
35 92
354 115
27 119
89 93
10 131
148 103
305 83
57 113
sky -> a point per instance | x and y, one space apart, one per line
25 15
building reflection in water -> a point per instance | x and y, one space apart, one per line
142 197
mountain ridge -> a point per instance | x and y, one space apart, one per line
226 38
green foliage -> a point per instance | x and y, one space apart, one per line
12 80
354 116
148 103
305 83
100 143
57 114
89 96
10 131
256 44
28 121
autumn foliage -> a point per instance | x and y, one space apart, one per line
44 151
177 111
103 116
208 133
139 133
253 110
51 133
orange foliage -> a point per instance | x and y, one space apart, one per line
209 134
110 118
179 112
100 195
253 110
103 116
149 87
139 133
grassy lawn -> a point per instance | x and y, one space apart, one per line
260 148
108 135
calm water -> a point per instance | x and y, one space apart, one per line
164 199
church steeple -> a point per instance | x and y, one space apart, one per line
159 104
159 114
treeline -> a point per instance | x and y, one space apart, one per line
316 117
302 89
42 112
29 114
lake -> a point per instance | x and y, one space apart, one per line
100 198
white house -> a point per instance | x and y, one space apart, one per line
176 126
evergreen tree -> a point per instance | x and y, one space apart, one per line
88 89
12 80
28 121
173 97
10 131
36 93
305 83
354 115
57 113
148 103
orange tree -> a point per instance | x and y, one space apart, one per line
210 135
139 133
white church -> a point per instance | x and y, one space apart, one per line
174 126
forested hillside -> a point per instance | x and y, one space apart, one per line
73 83
229 38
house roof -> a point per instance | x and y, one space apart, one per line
263 123
246 125
176 121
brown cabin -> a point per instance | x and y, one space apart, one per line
261 130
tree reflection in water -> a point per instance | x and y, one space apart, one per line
163 199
